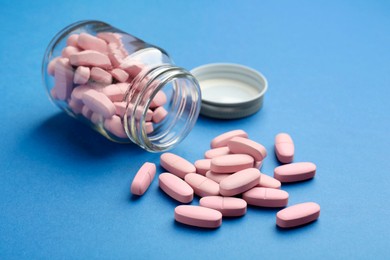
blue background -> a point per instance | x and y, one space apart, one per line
64 189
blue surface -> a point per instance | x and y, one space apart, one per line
64 190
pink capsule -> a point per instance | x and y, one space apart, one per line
246 146
228 206
298 215
231 163
176 164
295 172
216 152
222 140
198 216
143 179
176 188
201 185
266 197
239 182
284 148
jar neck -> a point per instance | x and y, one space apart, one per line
182 106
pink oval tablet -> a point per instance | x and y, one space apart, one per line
198 216
217 177
239 182
99 103
159 114
90 59
143 179
63 74
78 92
202 186
81 75
222 140
69 50
228 206
231 163
202 166
246 146
120 75
295 172
268 182
114 125
216 152
90 42
284 148
176 164
298 215
266 197
116 92
159 100
175 187
101 76
109 37
72 40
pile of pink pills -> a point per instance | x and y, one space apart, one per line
229 179
93 76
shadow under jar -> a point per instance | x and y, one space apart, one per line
123 87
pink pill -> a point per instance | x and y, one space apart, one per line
284 148
266 197
90 59
176 164
268 182
149 127
122 108
98 103
217 177
75 106
216 152
89 42
72 40
295 172
63 78
109 37
81 75
202 166
198 216
159 114
239 182
231 163
101 76
159 100
258 164
201 185
228 206
120 75
97 119
69 50
116 92
114 125
246 146
222 140
143 179
132 67
51 66
86 112
298 215
78 92
176 188
116 56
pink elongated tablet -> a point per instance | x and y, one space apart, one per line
72 40
69 50
217 177
90 42
90 59
98 103
239 182
201 185
116 92
228 206
231 163
266 197
216 152
295 172
176 164
222 140
202 166
143 179
159 114
120 75
284 148
268 182
246 146
176 188
81 75
114 125
298 215
78 92
159 100
198 216
101 76
116 56
63 74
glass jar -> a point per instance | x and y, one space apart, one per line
124 88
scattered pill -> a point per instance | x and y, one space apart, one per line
231 163
176 188
201 185
266 197
202 166
143 179
228 206
223 139
298 215
176 164
216 152
239 182
198 216
284 148
268 182
246 146
295 172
